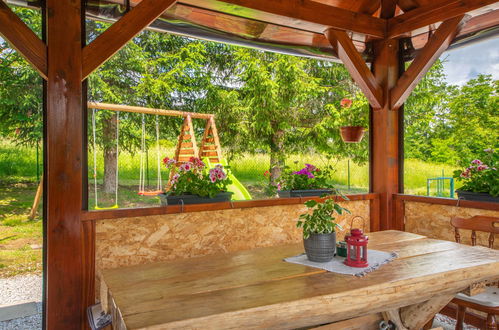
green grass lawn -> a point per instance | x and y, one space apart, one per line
20 238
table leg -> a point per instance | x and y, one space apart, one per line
417 315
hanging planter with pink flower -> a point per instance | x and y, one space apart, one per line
355 116
193 183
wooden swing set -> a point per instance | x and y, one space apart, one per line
186 146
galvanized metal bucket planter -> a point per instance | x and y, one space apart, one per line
320 247
479 197
194 199
304 193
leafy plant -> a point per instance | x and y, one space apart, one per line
355 111
309 177
194 178
480 176
321 220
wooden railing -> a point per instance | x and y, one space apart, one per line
171 209
400 199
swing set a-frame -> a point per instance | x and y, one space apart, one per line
210 150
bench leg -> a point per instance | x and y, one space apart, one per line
491 322
461 311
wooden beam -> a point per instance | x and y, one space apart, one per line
22 39
122 31
416 316
431 14
297 13
66 269
438 43
356 66
148 111
385 133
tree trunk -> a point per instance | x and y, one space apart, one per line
110 154
277 157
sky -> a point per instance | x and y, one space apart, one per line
467 62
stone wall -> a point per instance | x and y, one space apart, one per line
433 220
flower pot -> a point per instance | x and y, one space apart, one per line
194 199
320 247
303 193
352 134
479 197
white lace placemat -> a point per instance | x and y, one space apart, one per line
375 260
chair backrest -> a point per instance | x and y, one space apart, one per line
477 223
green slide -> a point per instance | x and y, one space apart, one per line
240 193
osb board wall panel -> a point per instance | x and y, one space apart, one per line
433 220
132 241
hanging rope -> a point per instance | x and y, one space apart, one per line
143 161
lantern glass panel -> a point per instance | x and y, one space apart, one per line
353 252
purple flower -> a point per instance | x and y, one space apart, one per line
477 162
489 150
310 168
482 167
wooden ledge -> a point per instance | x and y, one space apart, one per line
172 209
447 201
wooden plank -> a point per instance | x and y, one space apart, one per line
66 271
356 66
438 43
22 39
184 151
142 212
367 322
209 153
433 13
399 215
36 202
122 31
449 202
299 300
149 111
302 14
385 133
374 214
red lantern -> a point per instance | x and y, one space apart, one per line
356 249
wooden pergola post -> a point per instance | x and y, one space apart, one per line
386 134
66 267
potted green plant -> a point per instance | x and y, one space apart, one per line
319 229
480 179
354 114
306 182
194 183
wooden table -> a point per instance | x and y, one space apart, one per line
256 289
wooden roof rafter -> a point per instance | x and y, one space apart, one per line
430 14
301 14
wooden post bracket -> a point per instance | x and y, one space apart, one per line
437 44
118 34
356 66
25 41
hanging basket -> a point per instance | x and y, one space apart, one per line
352 134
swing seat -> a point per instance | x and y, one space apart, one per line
115 206
150 193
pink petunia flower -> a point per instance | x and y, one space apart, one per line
477 162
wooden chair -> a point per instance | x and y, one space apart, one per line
488 301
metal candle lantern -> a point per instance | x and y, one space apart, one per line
356 249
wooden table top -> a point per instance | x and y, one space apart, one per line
257 289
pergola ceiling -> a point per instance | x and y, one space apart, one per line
300 27
297 26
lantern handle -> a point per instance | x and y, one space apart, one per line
363 222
